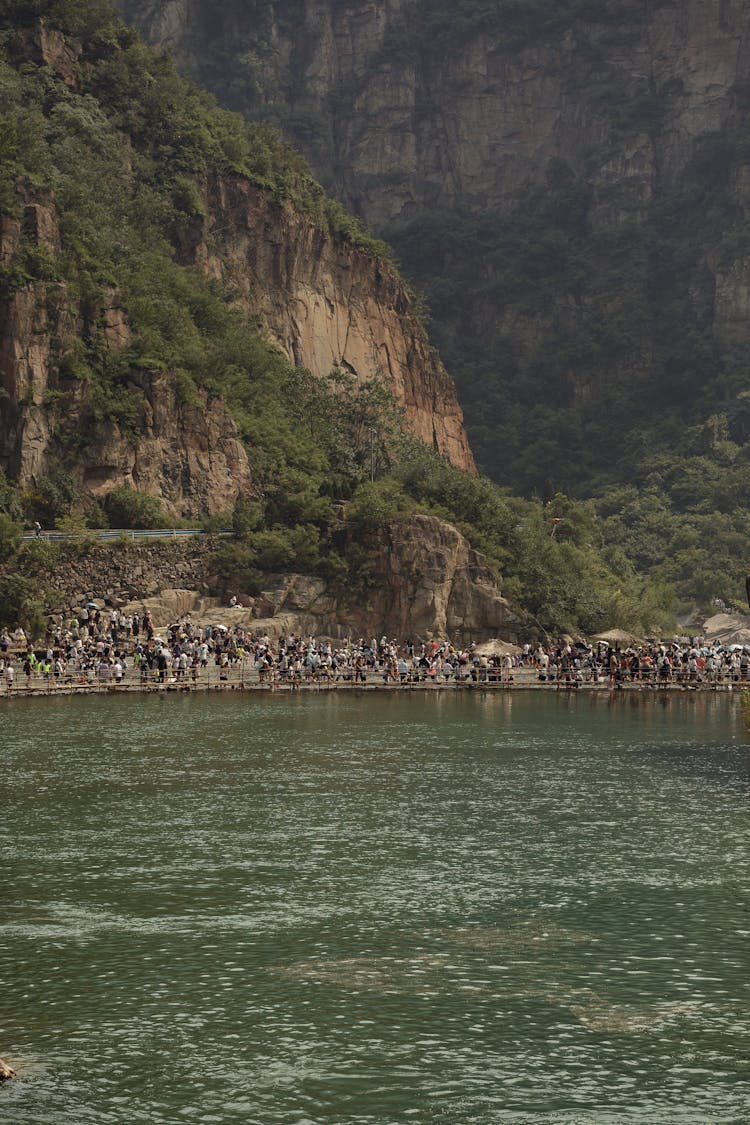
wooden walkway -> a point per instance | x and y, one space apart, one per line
250 683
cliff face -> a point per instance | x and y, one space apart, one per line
187 455
327 304
569 183
109 394
416 108
437 586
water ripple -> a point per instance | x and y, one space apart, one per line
375 910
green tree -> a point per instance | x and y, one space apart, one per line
128 508
10 537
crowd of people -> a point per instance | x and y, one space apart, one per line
109 647
687 663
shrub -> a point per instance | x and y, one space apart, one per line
246 516
10 537
19 604
42 553
273 550
53 498
128 508
378 503
217 521
333 567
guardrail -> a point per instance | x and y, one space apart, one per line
126 533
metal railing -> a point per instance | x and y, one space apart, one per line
123 533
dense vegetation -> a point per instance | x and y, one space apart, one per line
578 321
123 153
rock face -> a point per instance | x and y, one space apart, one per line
328 304
435 108
624 123
436 585
27 330
727 629
187 454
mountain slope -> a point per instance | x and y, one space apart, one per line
569 183
164 271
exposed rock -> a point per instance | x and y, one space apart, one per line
25 424
48 47
328 304
10 238
727 629
436 585
40 227
642 106
117 332
405 125
185 453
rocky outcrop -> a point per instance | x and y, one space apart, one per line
727 629
184 450
328 304
324 299
430 584
436 585
325 302
46 46
570 184
31 327
187 453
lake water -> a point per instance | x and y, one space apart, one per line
442 908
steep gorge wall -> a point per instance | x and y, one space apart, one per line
187 455
570 184
402 106
328 304
325 301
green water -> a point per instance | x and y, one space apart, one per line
375 909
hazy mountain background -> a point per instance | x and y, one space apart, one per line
568 184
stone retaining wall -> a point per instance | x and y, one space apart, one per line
70 573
